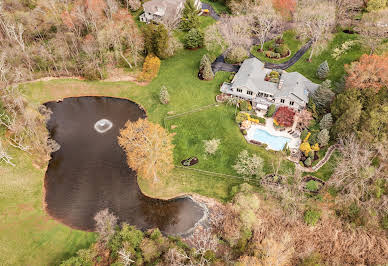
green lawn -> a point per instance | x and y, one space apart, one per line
217 122
289 38
337 70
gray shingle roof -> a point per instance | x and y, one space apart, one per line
251 76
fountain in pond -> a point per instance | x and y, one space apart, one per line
103 125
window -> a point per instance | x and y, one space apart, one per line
260 94
282 100
239 90
291 103
265 95
250 92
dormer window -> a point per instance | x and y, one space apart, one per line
282 100
250 92
291 103
239 90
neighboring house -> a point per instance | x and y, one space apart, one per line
157 10
249 83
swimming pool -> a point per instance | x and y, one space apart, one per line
276 143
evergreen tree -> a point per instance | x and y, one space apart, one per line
326 122
323 70
323 137
156 40
346 109
205 68
193 39
190 18
164 96
323 97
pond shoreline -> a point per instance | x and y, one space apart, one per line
75 202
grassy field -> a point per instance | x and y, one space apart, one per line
289 38
337 69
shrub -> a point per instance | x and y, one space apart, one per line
323 137
241 116
307 162
193 39
236 55
271 110
304 133
261 120
312 185
323 70
211 146
245 106
244 132
164 96
150 250
284 116
282 50
326 122
376 5
312 216
150 68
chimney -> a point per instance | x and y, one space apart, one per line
280 85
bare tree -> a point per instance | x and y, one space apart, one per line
356 177
125 257
373 28
213 40
236 30
4 156
105 224
133 5
346 10
111 8
264 20
315 19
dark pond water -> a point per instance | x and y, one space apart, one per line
89 173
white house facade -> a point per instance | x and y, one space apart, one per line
157 10
251 83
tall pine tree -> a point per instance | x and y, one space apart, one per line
190 18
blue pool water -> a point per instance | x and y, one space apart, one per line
276 143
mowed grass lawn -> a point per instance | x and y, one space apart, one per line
216 123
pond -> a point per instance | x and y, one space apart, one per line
89 172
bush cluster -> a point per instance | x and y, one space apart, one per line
236 55
193 39
150 68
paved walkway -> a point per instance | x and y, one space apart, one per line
220 65
212 12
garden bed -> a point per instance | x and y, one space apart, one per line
312 184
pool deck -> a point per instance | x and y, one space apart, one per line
293 144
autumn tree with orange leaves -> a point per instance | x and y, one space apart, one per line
284 7
148 148
370 72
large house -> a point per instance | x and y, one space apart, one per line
263 87
157 10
